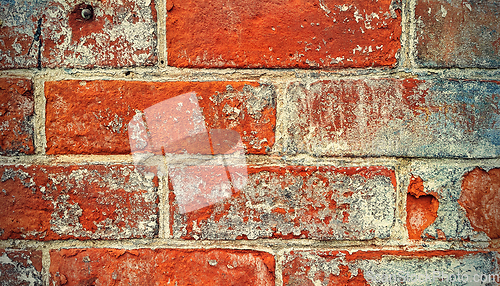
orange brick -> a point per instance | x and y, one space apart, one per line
82 202
16 116
277 34
92 117
161 267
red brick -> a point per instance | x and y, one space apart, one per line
16 116
391 117
54 34
161 267
92 117
83 202
479 197
277 34
458 33
306 268
283 202
20 267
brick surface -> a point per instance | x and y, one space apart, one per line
16 116
161 267
93 117
277 34
391 117
83 202
458 33
390 268
20 267
467 200
53 33
285 202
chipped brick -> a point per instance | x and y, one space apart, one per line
480 198
53 33
285 202
16 116
20 267
388 268
275 34
83 202
391 117
421 209
458 190
161 267
102 126
458 33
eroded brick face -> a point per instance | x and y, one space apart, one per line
277 34
465 198
161 267
458 33
391 117
53 33
20 267
16 116
480 198
82 202
388 268
287 202
92 117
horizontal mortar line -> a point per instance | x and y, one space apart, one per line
173 73
259 244
258 160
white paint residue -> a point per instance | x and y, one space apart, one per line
443 11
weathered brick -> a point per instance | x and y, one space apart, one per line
20 267
277 34
455 33
390 268
284 202
391 117
161 267
16 116
84 202
466 198
92 117
53 33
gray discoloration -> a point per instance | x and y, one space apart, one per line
317 268
445 181
321 205
17 268
52 33
389 117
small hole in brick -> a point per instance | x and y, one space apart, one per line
86 11
162 62
127 73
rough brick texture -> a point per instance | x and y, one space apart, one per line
290 202
101 127
277 34
458 33
20 267
389 268
53 33
392 117
83 202
161 267
467 197
16 116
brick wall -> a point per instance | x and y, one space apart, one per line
183 142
